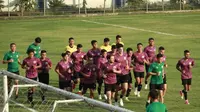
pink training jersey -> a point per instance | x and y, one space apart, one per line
91 71
151 52
102 61
110 53
108 70
31 72
122 59
45 63
184 65
78 60
95 54
65 68
139 61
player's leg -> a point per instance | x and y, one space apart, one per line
113 90
147 75
16 89
80 86
165 85
136 84
109 95
151 87
140 80
129 87
117 90
100 82
160 88
84 90
105 96
124 84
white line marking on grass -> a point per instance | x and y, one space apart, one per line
133 28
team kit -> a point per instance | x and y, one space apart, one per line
108 66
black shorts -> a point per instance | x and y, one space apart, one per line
10 78
156 86
65 84
110 87
139 74
122 79
100 80
78 75
89 86
130 80
147 68
186 81
43 78
165 79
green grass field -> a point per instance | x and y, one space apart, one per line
176 32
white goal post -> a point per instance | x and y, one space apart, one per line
73 96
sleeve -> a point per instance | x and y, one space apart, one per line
145 49
150 68
5 58
39 62
24 62
146 56
29 47
50 63
66 48
72 56
57 66
193 63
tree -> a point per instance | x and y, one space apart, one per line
56 4
134 3
1 5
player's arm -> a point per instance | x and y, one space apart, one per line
146 60
57 71
5 59
39 65
117 70
24 65
150 71
49 64
178 66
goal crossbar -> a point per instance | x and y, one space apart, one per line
66 93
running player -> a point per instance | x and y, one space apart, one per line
118 40
31 64
43 72
106 45
103 59
89 72
162 51
150 50
64 70
155 106
140 59
112 52
129 52
94 53
156 70
185 66
12 59
36 47
122 80
78 61
71 47
110 70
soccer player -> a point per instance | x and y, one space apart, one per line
156 70
103 59
112 52
150 50
106 45
78 58
185 66
71 47
155 106
64 71
94 53
110 70
89 72
118 40
161 50
43 72
129 52
36 47
12 59
140 59
122 80
31 64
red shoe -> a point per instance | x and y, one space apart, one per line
187 102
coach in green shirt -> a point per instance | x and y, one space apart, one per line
36 47
155 106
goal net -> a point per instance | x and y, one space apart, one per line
57 100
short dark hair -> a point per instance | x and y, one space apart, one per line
118 36
43 51
38 40
12 44
64 54
111 56
71 38
159 55
68 52
93 41
151 38
139 44
79 46
30 51
129 49
103 51
154 94
161 48
119 45
186 51
106 39
114 46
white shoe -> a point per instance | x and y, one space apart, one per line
105 97
116 104
135 92
100 98
127 99
138 94
121 102
146 86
